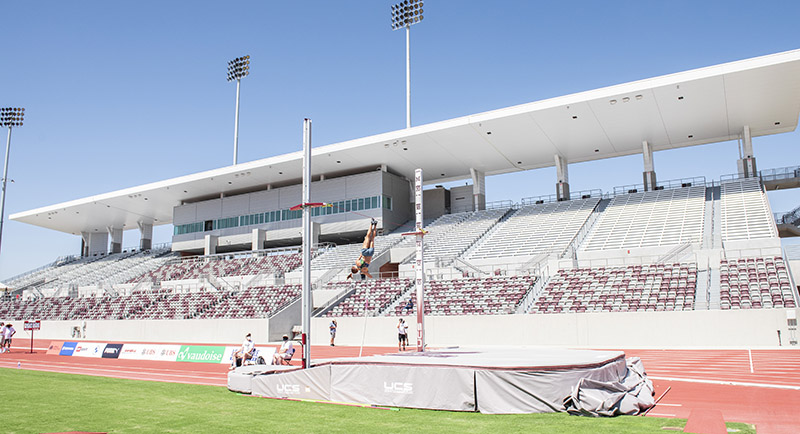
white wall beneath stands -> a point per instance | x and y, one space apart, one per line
714 328
217 331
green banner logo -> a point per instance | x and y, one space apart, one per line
202 354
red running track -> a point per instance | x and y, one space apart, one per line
769 397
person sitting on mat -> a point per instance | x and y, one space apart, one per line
367 251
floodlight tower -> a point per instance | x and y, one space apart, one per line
9 117
404 15
238 68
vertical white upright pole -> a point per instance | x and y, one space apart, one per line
420 265
306 296
5 180
408 76
236 125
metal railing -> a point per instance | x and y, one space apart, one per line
663 185
549 198
500 204
779 173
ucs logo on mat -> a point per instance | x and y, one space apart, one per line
398 387
289 389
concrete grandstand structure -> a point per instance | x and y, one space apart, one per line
699 260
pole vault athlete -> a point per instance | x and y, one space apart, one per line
367 251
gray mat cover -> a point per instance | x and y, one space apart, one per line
541 391
630 395
313 383
239 380
442 388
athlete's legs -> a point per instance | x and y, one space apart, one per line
369 239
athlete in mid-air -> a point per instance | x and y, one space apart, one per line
367 251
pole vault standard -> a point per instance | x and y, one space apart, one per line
420 263
306 296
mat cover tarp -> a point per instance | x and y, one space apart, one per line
630 394
539 391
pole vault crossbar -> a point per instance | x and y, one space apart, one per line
310 205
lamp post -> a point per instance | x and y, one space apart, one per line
404 15
9 117
237 69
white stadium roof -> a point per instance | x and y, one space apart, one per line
705 105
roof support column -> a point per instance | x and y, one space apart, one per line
94 243
258 240
145 236
478 189
116 239
210 245
562 178
649 173
747 162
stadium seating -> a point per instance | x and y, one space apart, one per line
649 219
343 256
255 302
535 229
473 296
656 287
452 234
94 270
745 211
755 283
194 268
375 295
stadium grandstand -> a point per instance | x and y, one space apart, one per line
698 260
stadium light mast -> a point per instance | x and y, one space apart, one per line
238 68
404 15
9 117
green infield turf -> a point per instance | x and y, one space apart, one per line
51 402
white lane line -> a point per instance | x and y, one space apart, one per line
79 369
727 383
217 383
669 405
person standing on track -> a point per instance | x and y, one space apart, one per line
8 333
2 338
402 335
333 331
367 252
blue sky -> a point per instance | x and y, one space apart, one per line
118 94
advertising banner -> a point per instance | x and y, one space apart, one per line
227 357
89 349
149 352
55 347
67 348
112 351
201 354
